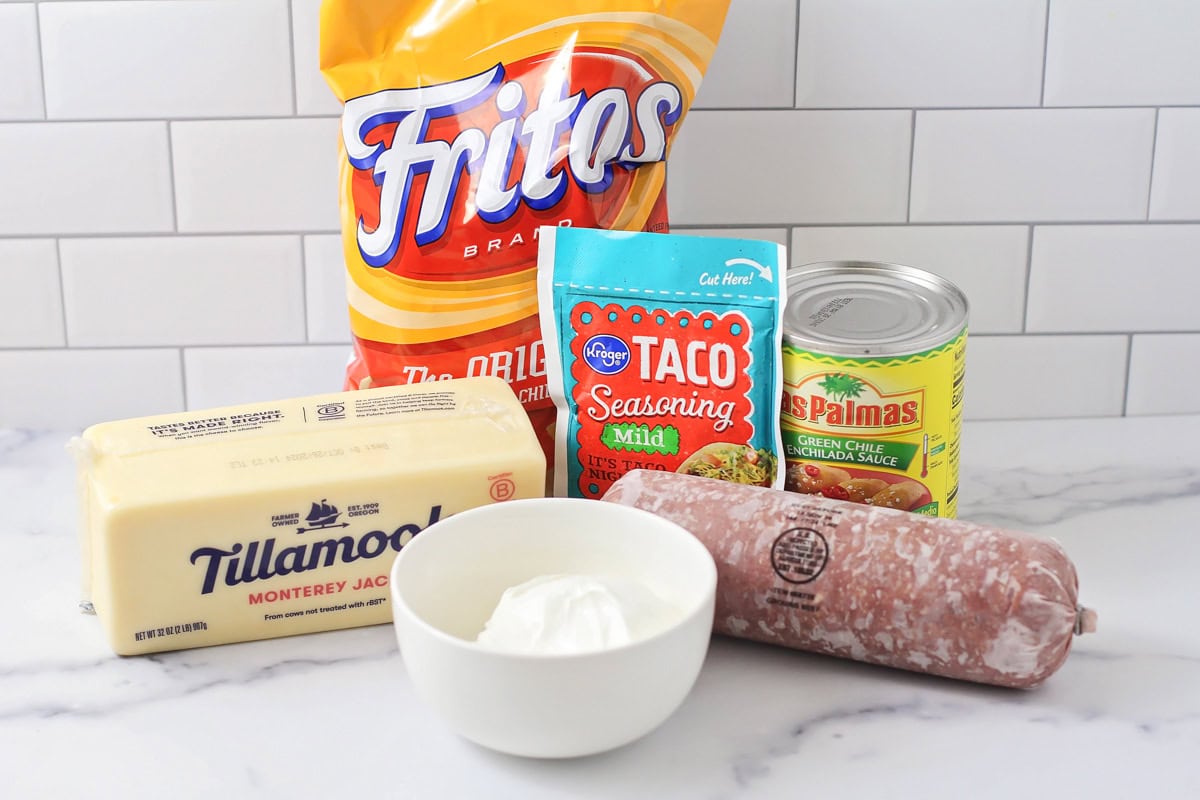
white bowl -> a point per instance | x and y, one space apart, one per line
446 582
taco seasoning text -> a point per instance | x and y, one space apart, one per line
873 367
662 352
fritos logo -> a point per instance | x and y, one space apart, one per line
471 153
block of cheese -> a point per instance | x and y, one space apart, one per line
280 518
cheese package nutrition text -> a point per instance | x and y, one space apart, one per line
273 519
468 126
663 352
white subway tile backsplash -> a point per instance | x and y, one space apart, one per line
313 95
71 389
84 177
987 262
325 289
183 58
1032 165
31 313
752 65
880 53
220 376
183 290
1115 278
777 235
256 175
790 167
169 190
1155 365
21 85
1028 377
1123 52
1175 191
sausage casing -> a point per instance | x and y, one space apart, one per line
873 584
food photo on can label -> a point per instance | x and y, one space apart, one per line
488 398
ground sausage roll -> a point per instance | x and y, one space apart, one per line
873 584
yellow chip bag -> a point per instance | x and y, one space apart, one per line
468 124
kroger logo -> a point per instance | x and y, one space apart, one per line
606 354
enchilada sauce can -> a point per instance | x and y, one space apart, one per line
874 357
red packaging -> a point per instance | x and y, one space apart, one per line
468 126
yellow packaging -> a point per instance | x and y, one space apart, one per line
467 126
874 358
273 519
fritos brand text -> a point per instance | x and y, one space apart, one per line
600 129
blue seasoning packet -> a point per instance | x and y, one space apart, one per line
663 352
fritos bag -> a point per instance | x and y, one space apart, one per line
469 125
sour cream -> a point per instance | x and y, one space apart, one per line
564 614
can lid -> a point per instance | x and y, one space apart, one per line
870 308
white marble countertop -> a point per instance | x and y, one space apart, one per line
333 715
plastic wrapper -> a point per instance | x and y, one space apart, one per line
872 584
466 127
663 352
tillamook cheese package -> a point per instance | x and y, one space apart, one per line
467 126
272 519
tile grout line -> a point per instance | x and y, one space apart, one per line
732 226
347 343
66 120
180 234
183 376
171 177
230 117
262 345
795 58
1153 156
41 59
980 223
1028 281
291 30
304 290
912 155
62 294
1045 54
1128 374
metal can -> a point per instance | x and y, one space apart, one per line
873 367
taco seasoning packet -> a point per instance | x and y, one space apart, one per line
468 126
663 352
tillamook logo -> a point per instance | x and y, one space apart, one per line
843 402
258 561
